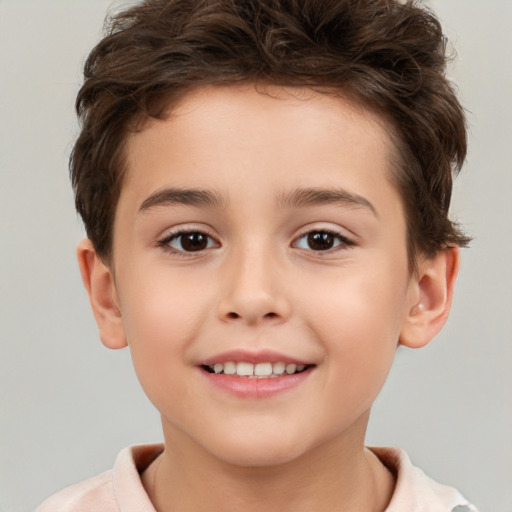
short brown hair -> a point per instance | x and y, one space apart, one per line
389 54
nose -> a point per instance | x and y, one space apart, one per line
254 291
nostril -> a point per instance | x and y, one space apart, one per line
270 315
233 315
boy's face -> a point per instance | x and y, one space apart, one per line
261 228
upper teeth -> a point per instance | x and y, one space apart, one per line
259 370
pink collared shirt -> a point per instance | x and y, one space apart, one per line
121 489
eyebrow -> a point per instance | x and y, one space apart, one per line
297 198
189 197
322 196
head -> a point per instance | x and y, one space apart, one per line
386 55
268 184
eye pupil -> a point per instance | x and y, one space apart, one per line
320 240
194 241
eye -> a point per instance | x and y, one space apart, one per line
321 240
188 241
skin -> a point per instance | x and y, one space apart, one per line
259 284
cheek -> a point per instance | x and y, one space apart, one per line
161 324
356 303
358 324
161 319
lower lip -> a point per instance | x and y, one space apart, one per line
245 387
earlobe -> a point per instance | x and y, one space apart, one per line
429 310
99 283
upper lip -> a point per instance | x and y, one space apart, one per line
254 357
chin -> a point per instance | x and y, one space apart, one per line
260 450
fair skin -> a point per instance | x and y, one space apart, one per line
265 264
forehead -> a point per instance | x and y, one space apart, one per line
226 122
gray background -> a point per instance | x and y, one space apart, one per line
68 405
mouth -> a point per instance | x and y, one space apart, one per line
260 374
263 370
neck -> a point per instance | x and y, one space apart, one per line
336 476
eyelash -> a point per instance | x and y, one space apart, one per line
164 242
343 242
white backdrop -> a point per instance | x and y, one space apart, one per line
68 405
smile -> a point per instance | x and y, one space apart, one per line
264 370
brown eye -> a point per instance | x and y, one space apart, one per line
194 241
321 241
190 241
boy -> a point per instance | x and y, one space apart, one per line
265 190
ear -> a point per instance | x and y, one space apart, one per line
99 283
432 298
